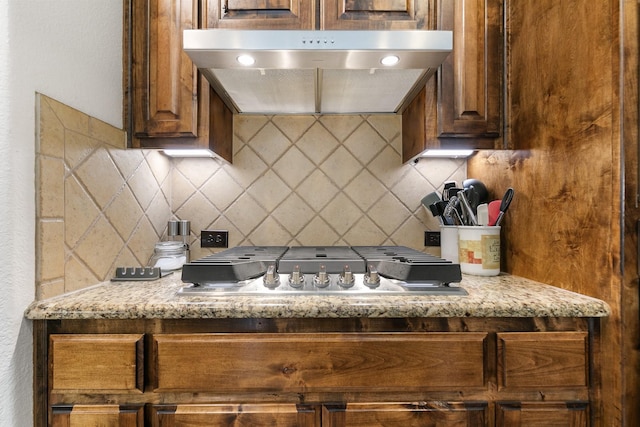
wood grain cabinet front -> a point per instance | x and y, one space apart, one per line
461 107
319 363
169 103
224 415
543 360
542 414
437 414
109 363
317 372
97 415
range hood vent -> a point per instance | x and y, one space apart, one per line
317 72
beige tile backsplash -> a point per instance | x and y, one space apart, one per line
295 180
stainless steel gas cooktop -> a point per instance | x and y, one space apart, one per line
320 270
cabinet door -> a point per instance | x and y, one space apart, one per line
97 415
165 91
436 414
461 107
261 14
470 78
377 14
249 415
96 363
170 103
542 414
543 360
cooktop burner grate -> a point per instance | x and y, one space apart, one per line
399 265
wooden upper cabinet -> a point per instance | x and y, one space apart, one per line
377 14
333 14
170 103
261 14
470 81
461 106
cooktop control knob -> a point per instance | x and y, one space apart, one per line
372 278
271 278
296 280
321 279
346 278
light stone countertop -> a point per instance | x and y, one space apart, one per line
500 296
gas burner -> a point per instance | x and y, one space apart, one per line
323 270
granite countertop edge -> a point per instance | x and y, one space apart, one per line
499 296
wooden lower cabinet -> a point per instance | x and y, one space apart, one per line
317 372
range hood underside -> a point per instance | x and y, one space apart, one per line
311 91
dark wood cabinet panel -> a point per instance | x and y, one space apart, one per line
470 80
169 104
461 107
165 80
312 362
97 415
436 414
545 359
260 14
272 415
377 15
545 414
315 372
96 363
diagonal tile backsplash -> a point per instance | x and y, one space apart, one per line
295 180
312 180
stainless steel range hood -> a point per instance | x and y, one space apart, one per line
325 72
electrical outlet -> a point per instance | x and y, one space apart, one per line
214 239
432 238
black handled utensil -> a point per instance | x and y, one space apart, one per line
504 205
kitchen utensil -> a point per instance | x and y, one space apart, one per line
439 208
483 214
451 211
494 211
478 188
430 199
466 208
504 204
453 191
445 189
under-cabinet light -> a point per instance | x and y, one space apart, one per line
447 153
188 153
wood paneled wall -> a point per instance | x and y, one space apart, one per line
571 110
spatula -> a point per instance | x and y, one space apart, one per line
483 214
494 211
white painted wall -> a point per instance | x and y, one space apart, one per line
70 50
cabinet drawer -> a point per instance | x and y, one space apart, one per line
223 415
319 362
102 363
542 360
438 413
542 414
97 415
